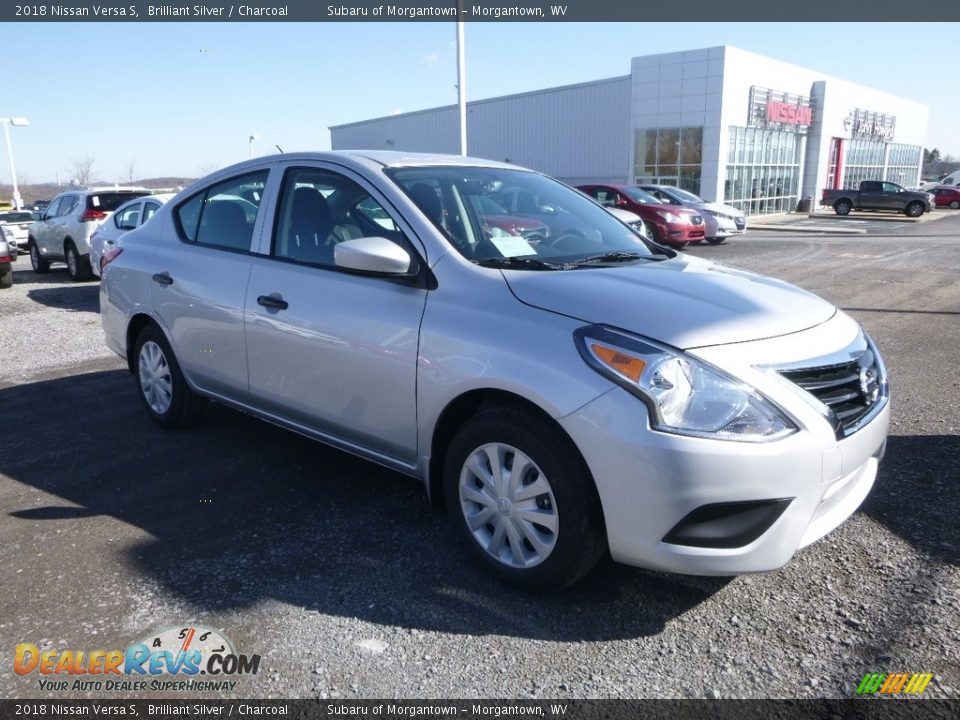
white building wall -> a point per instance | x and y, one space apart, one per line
587 133
576 133
681 89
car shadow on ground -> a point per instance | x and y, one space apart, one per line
23 273
917 494
81 297
240 512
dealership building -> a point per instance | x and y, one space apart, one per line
724 123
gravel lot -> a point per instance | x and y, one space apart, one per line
349 585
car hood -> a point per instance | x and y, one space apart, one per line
720 208
685 302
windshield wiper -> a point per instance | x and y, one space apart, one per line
610 257
519 263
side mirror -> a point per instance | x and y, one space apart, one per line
373 255
620 202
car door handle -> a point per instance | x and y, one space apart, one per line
273 301
163 278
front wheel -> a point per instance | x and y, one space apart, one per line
955 204
914 209
715 241
842 207
522 499
163 389
40 266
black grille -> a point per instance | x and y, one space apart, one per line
850 390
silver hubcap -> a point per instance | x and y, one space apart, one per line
508 505
72 261
156 382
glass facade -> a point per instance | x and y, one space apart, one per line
763 170
670 156
903 164
877 160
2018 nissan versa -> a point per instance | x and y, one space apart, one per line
563 393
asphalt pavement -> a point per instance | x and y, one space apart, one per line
348 584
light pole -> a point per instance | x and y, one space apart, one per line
252 138
461 84
19 122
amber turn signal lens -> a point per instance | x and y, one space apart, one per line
626 365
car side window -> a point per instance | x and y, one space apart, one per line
604 197
224 214
319 209
67 205
149 208
891 187
52 209
127 219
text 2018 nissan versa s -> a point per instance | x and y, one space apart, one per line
563 394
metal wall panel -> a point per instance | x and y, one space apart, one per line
577 133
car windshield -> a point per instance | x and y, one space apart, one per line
641 196
684 196
565 230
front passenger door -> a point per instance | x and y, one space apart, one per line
330 350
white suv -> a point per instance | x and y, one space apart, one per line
62 234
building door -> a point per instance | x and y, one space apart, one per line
835 167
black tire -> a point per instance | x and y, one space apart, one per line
6 278
580 539
914 209
654 234
184 404
842 207
715 241
40 266
955 205
77 265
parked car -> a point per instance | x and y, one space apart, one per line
15 225
560 398
719 221
6 269
878 195
951 180
629 218
132 214
40 205
946 197
62 234
669 225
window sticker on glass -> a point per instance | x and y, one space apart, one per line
512 246
95 200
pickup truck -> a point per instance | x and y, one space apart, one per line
879 195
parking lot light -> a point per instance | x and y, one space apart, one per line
19 122
252 138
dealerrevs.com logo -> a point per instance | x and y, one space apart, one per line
190 658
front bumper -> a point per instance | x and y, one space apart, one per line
650 482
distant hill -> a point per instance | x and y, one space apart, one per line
46 191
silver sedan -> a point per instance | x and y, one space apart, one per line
569 395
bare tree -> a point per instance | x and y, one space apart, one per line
131 170
81 168
205 168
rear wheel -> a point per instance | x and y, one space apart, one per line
522 499
163 389
842 207
77 265
40 266
914 209
955 204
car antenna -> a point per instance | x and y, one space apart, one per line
279 148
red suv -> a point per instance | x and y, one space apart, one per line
668 224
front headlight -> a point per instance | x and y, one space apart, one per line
685 395
676 219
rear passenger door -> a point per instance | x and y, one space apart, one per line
199 280
330 350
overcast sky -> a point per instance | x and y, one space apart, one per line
183 98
